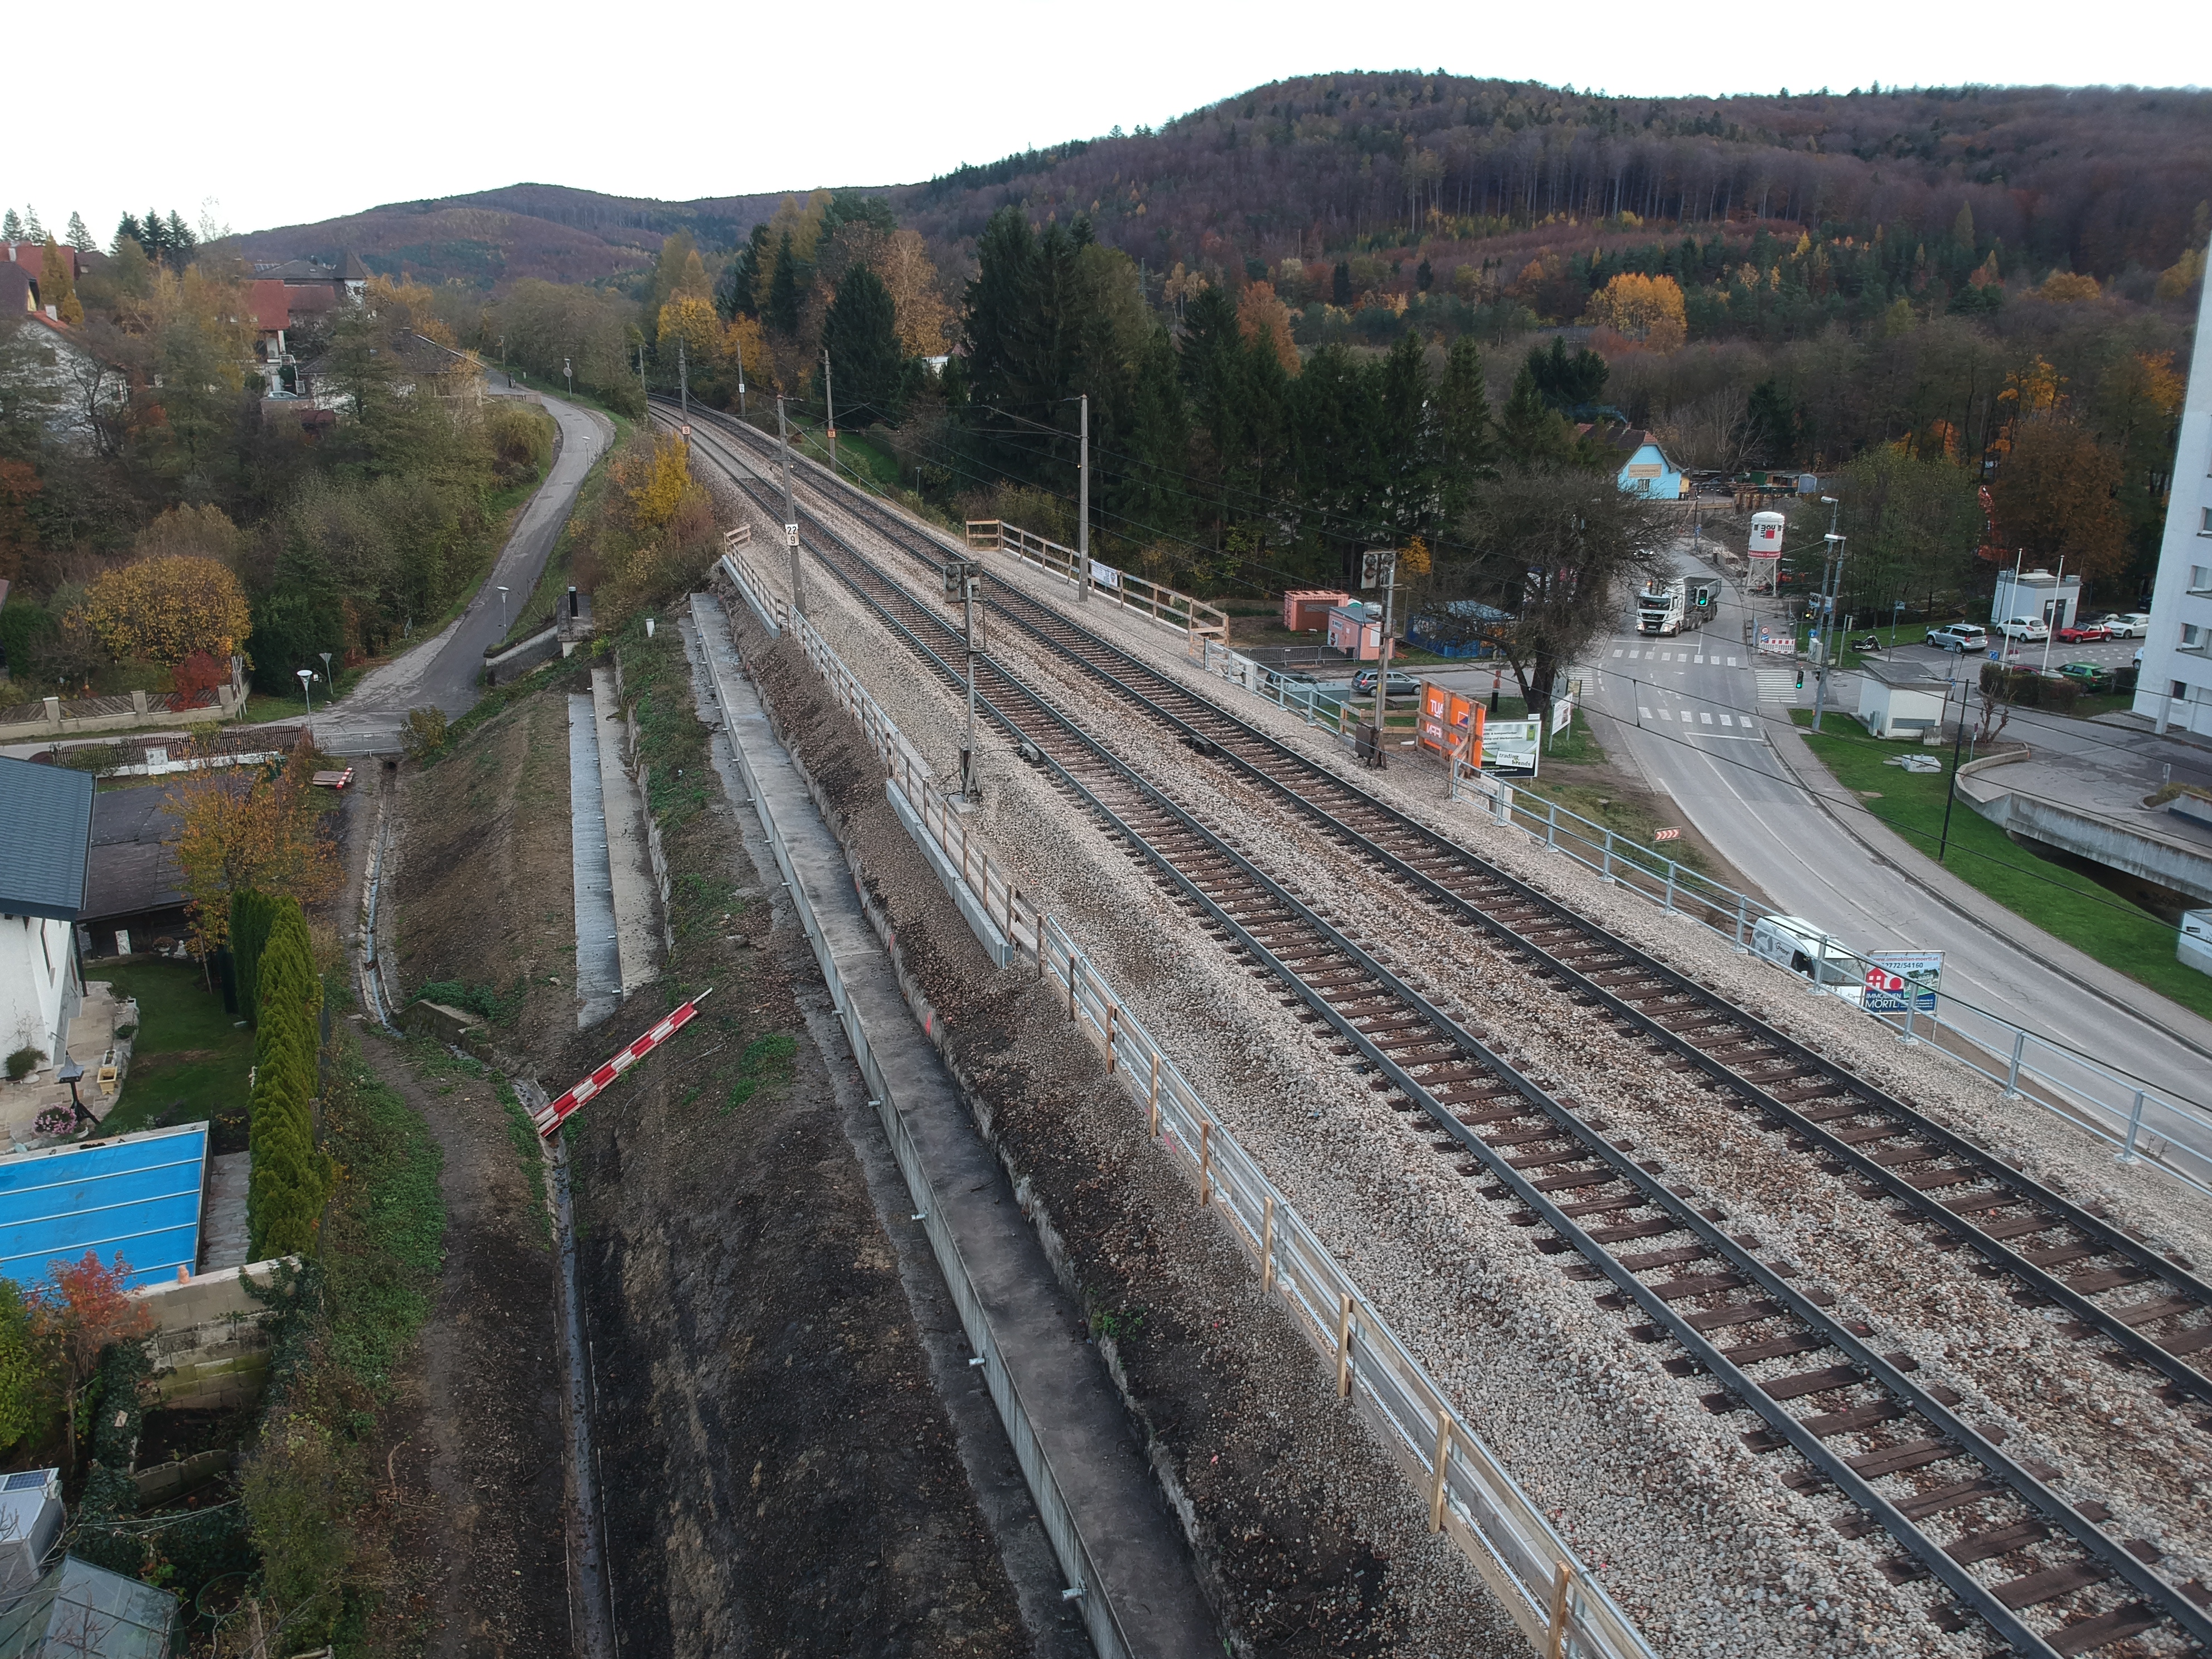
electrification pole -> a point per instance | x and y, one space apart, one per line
1831 567
741 382
830 403
1083 500
1958 739
971 581
790 511
683 379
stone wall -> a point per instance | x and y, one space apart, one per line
211 1342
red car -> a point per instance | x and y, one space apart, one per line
2082 634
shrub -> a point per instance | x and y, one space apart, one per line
94 757
424 731
24 1061
290 1178
250 913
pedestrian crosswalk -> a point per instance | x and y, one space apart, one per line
1778 685
1700 720
1715 657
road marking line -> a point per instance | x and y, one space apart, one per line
1642 710
1732 662
1705 718
1665 714
1725 721
1616 651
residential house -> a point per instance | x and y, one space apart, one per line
53 365
1645 468
294 295
45 844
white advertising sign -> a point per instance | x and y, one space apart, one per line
1509 748
1897 978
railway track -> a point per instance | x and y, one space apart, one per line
2041 1573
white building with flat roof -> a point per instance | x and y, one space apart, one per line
2176 685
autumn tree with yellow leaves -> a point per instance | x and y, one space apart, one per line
1648 310
165 608
241 829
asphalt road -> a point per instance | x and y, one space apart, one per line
1685 710
446 670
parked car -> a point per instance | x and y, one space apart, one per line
2126 624
1959 637
1401 685
2082 634
2088 676
2030 630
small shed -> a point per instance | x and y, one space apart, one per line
1899 699
1307 608
1355 627
139 1196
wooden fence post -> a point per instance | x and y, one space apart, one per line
1040 948
1113 1015
1267 1247
1443 1463
1152 1097
1205 1163
1343 1344
1563 1577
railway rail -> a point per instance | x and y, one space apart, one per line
2042 1573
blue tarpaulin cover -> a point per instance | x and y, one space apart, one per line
136 1196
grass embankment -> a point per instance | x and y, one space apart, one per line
190 1058
353 1316
1574 774
2062 902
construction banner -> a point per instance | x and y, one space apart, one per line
1445 717
550 1119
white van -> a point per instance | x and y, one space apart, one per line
1796 944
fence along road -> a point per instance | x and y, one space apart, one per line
1462 1084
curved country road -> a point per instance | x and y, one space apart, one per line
447 668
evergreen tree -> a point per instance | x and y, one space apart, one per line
1340 285
250 913
11 226
1466 445
860 334
32 230
127 231
79 237
741 295
1770 425
1425 277
1409 456
1566 383
179 234
786 289
1531 432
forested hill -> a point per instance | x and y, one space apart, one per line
2099 180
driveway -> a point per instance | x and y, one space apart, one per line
446 670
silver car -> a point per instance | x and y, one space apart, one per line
1959 637
2126 624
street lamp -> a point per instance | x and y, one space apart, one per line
326 656
306 674
569 370
502 610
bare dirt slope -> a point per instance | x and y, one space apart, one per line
481 892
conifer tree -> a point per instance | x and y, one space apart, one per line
860 334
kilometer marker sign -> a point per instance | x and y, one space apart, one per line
554 1112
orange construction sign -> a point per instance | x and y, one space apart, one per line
1445 723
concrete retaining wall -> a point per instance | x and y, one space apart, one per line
518 659
2118 846
211 1342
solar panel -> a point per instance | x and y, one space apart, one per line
25 1481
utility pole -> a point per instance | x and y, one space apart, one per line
644 387
1831 566
971 585
790 511
741 380
1083 500
2051 622
1958 738
683 379
830 403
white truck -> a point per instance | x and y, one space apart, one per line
1669 607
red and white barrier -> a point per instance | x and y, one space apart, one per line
550 1118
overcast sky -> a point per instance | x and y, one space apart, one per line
308 113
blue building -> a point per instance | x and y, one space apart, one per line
1645 468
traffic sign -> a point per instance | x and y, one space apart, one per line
1376 566
684 428
1666 835
791 537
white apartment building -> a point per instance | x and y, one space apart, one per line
2176 685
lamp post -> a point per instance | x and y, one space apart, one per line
306 674
502 610
1831 565
326 656
568 374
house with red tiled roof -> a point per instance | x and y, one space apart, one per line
295 294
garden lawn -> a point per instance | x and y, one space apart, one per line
2062 902
189 1061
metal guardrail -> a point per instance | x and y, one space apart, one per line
2140 1124
1473 1498
1180 613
